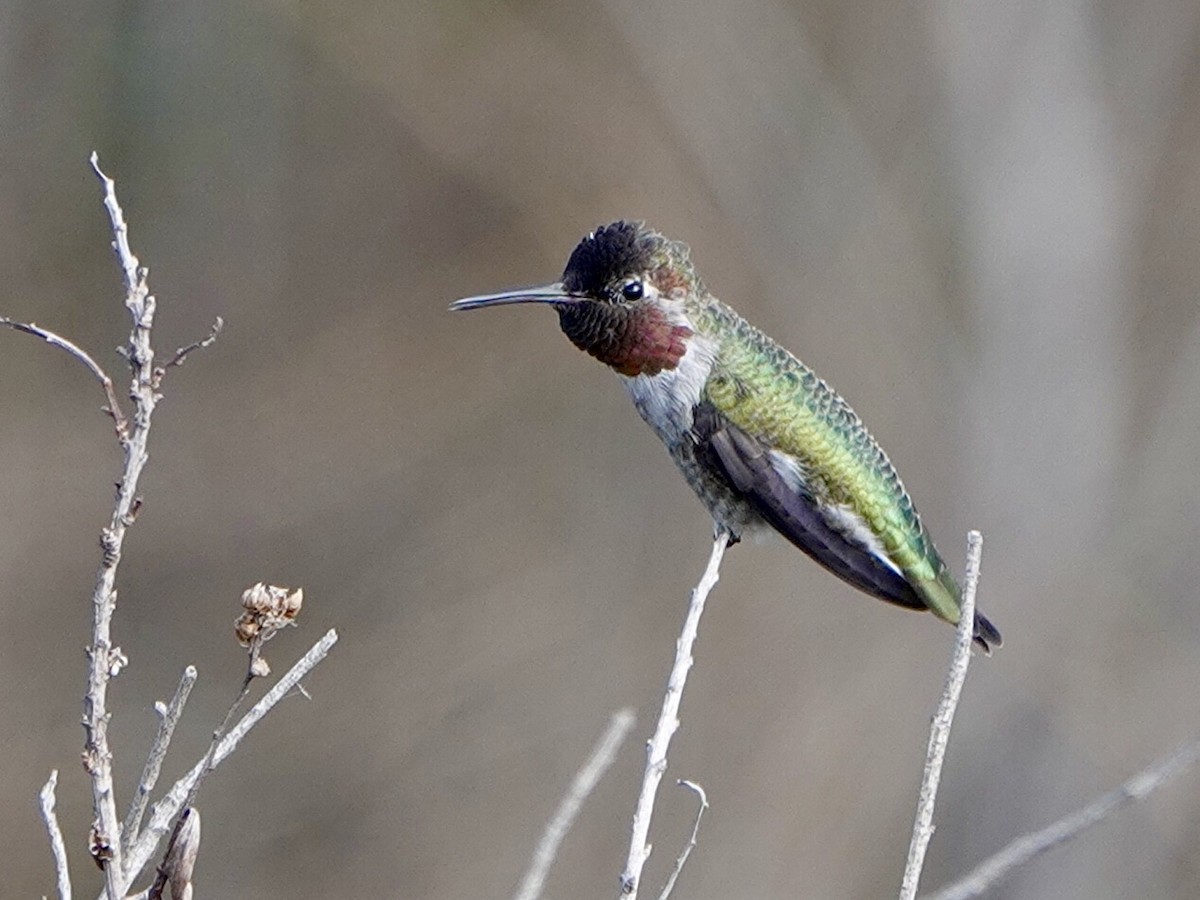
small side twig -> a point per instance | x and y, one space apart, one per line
184 352
691 844
1021 851
668 720
585 780
163 813
114 407
168 717
939 732
57 847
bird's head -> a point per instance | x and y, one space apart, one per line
621 298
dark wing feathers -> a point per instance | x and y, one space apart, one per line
794 514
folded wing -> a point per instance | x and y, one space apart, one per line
781 499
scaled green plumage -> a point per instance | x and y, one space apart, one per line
766 391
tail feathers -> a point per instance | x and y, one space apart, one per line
987 635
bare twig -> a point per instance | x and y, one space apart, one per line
129 263
184 352
168 716
992 871
114 407
939 732
691 844
585 780
668 720
57 847
163 812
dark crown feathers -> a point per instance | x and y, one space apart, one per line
608 254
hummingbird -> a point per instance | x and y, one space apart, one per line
763 441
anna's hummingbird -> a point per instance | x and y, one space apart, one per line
760 438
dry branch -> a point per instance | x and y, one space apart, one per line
105 660
592 771
168 718
268 610
184 352
180 860
57 847
668 720
1024 849
939 732
163 813
114 407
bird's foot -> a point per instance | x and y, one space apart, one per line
731 536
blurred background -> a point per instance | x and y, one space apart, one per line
978 221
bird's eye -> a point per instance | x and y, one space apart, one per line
632 290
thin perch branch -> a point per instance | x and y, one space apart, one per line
168 718
582 785
668 720
992 871
163 813
939 732
57 847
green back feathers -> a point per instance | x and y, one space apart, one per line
766 391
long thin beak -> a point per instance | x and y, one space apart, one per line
550 293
